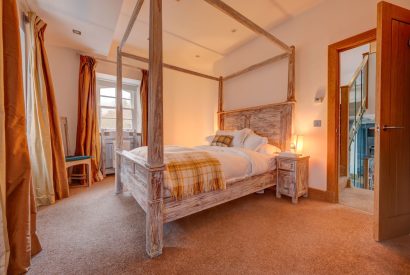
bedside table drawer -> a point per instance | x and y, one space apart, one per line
288 165
292 177
286 182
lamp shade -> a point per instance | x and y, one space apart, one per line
299 144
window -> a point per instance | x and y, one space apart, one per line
106 89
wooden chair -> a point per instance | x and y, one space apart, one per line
71 161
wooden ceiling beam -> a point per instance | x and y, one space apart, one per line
168 66
220 5
131 23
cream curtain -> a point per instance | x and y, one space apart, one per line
43 127
14 160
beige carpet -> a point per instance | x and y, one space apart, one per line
97 232
358 198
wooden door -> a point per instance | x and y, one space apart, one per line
392 173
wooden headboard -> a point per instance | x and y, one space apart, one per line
273 121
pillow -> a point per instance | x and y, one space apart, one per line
267 149
209 139
223 141
253 141
238 135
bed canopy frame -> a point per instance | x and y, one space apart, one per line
149 194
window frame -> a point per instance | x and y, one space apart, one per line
132 88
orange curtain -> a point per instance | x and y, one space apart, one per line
20 204
4 239
88 136
50 132
144 106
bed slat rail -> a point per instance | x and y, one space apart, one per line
134 173
176 209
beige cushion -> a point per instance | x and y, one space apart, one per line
238 135
222 140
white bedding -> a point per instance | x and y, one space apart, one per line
237 163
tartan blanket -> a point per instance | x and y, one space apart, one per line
191 173
188 171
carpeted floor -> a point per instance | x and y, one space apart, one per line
358 198
97 232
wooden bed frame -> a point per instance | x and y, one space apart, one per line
145 179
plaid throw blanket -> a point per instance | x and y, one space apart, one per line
190 173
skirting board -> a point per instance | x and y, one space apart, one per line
321 195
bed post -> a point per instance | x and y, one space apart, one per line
154 218
118 137
220 102
291 75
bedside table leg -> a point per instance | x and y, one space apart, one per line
294 200
305 195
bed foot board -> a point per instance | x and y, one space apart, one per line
154 215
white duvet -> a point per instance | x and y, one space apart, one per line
237 163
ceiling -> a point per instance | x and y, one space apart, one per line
196 35
96 22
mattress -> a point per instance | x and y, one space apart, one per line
240 163
236 163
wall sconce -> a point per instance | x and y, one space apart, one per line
320 95
319 99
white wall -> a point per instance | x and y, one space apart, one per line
64 65
311 33
190 106
350 61
190 102
244 91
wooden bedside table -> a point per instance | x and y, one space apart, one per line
292 177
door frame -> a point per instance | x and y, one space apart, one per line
333 115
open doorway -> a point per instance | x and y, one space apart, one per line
357 93
391 150
335 181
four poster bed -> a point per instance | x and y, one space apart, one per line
144 176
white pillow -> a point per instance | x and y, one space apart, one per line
267 149
238 135
253 141
209 139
